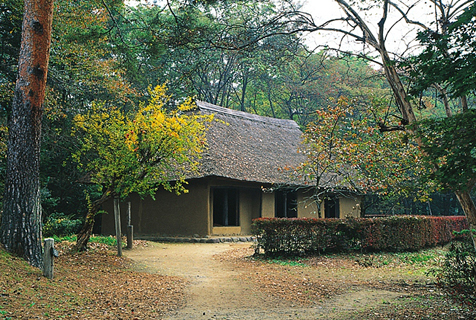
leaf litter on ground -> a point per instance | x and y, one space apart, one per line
90 285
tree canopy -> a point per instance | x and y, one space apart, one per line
346 151
141 150
249 56
448 58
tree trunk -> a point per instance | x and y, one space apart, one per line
444 96
464 103
408 115
469 209
399 90
117 224
20 230
85 232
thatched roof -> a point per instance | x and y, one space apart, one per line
248 147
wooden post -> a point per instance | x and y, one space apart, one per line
130 228
48 258
117 220
130 236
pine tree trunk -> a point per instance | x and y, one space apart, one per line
20 230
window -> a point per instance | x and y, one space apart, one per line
225 207
331 207
285 204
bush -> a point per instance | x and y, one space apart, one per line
61 225
278 236
457 276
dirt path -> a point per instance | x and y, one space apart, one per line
217 289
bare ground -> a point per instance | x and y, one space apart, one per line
90 285
222 281
225 283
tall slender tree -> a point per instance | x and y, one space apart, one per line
20 231
359 29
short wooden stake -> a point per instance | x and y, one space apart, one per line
130 228
130 236
117 219
48 258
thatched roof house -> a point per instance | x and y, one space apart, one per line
248 147
242 176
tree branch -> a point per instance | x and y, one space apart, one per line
351 13
405 15
384 128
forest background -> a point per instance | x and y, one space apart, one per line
233 54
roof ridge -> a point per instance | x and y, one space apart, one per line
245 115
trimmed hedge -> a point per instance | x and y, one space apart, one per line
280 236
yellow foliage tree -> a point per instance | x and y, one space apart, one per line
139 152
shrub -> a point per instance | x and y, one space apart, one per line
107 240
457 276
278 236
61 225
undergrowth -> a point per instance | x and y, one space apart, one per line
288 262
429 258
108 240
457 275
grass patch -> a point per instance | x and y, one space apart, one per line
428 306
424 258
2 312
110 241
288 261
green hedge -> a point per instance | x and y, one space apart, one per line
279 236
